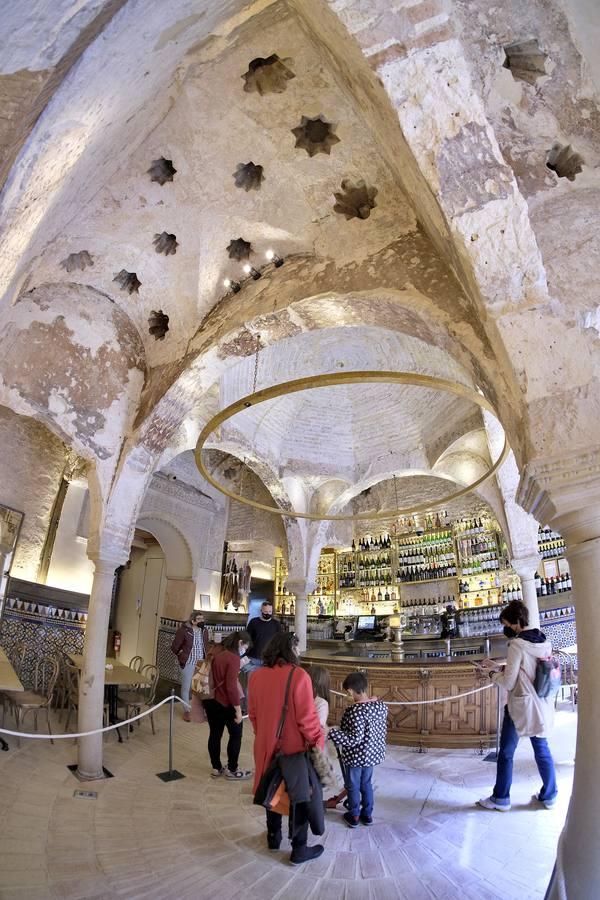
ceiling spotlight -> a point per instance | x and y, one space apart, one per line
233 286
250 270
272 257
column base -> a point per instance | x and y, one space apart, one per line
84 776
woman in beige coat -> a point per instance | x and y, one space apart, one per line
526 714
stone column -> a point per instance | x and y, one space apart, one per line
300 590
525 567
578 859
91 683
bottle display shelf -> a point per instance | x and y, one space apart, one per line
428 580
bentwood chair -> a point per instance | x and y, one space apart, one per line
569 678
39 699
134 701
72 674
136 663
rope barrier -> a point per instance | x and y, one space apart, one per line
121 724
485 687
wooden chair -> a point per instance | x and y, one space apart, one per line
135 700
40 698
569 678
136 663
72 675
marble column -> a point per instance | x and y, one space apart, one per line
91 682
525 567
578 858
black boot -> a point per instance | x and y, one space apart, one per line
274 840
305 854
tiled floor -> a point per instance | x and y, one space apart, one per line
201 838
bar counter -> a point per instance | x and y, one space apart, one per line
466 722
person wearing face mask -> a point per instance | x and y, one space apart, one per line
224 711
526 714
261 630
189 646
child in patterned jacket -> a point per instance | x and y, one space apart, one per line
361 737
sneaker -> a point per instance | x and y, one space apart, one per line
492 803
350 820
548 804
238 775
305 854
365 820
216 773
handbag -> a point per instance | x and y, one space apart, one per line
271 791
323 766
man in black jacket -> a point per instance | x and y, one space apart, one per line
261 630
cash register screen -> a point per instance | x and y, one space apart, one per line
366 623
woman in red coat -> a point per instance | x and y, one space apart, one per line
302 729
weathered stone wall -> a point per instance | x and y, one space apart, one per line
32 461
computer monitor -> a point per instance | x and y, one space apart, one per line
366 623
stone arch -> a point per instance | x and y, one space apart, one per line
178 556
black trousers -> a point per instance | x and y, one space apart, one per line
297 824
220 718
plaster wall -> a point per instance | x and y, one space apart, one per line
70 567
31 466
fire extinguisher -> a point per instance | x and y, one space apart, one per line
117 641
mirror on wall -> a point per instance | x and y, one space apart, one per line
10 526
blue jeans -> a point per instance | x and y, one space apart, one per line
186 679
543 757
254 665
360 790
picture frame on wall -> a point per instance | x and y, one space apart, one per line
10 528
204 601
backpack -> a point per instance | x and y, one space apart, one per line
548 678
202 680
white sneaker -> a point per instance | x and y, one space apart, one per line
491 803
548 804
216 773
238 775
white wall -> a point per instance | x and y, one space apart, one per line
70 568
140 603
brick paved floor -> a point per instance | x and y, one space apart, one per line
201 838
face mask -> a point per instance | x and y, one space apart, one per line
509 632
200 624
267 616
242 650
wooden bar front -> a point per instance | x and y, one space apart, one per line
465 722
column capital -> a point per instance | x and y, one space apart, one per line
301 587
525 566
107 564
561 485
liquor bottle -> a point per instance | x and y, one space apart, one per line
386 596
292 608
353 546
373 611
379 596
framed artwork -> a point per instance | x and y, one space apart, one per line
204 601
10 526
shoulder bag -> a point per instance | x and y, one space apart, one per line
271 791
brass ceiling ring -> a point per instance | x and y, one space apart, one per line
330 380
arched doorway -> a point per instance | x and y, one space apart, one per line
159 567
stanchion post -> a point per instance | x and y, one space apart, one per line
493 755
172 774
